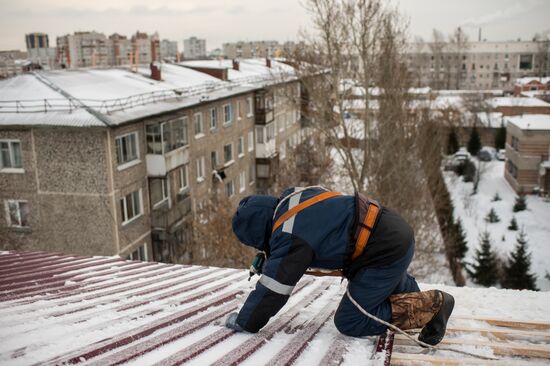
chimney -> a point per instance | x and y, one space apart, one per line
268 62
235 65
479 35
155 71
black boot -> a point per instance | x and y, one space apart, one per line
434 331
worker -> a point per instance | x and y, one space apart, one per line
371 245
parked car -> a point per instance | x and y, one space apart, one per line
461 155
501 154
486 153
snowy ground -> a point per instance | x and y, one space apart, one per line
472 210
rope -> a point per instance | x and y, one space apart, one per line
396 329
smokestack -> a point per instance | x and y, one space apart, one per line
235 65
479 35
155 71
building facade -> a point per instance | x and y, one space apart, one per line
251 49
128 179
194 48
39 51
477 65
527 153
169 50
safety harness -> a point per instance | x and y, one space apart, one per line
366 224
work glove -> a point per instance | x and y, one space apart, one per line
231 322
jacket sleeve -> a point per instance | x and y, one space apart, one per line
282 270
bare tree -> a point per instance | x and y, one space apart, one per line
459 44
439 64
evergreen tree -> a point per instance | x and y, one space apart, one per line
474 144
496 197
469 171
516 272
460 245
513 224
452 142
485 270
500 137
521 203
492 216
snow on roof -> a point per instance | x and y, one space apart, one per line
517 102
531 121
491 119
527 80
58 309
535 93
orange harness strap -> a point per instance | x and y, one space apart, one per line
293 211
367 226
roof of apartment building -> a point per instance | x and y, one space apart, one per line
527 80
517 102
57 308
109 97
539 122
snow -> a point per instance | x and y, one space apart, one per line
531 121
472 211
517 102
491 120
527 80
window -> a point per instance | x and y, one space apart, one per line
227 114
238 103
198 124
167 136
158 189
270 132
282 151
229 189
251 173
200 169
526 62
259 135
213 118
130 206
249 107
263 170
512 169
10 151
140 254
183 177
515 143
17 213
240 147
250 140
126 147
154 139
228 153
242 181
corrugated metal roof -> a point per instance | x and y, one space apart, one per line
57 309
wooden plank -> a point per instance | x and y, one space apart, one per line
509 323
500 349
412 359
504 334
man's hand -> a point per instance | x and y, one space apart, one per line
231 322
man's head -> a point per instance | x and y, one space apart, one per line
253 220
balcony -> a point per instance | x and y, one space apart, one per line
159 164
165 216
263 108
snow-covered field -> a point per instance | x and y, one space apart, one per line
472 210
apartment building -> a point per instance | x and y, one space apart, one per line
169 50
251 49
13 62
527 152
39 51
125 162
194 48
478 65
92 49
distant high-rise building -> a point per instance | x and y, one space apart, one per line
39 51
251 49
169 50
194 48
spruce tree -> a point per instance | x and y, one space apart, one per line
517 272
513 224
500 137
452 142
474 144
521 203
492 216
496 197
460 245
485 270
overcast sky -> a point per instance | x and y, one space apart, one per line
230 20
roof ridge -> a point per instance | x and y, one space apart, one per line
44 80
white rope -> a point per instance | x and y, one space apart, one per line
398 330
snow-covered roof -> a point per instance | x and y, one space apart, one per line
100 97
491 119
517 102
527 80
57 309
531 121
535 93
